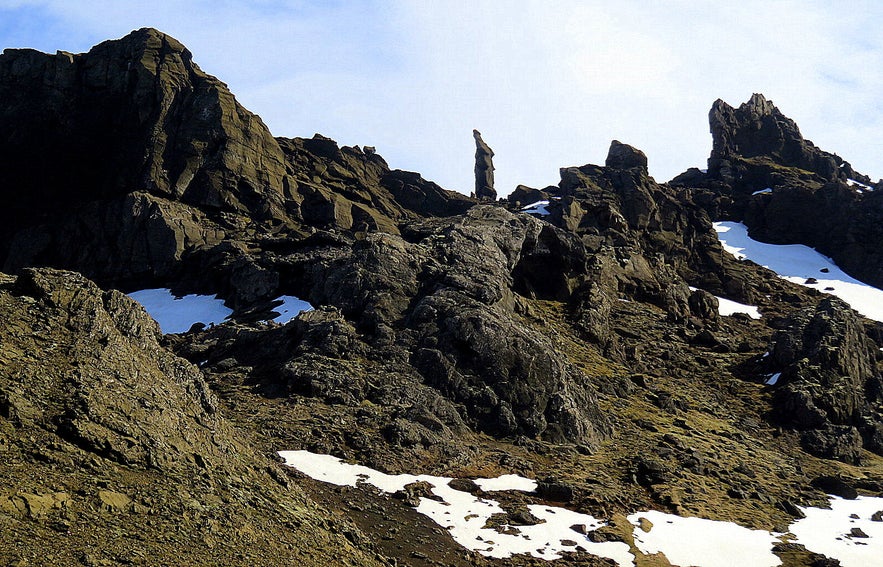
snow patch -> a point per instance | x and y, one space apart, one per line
727 307
773 378
763 191
290 308
802 265
831 532
538 208
683 540
854 183
464 515
703 543
178 314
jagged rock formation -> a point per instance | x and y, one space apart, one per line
449 336
444 303
484 169
115 450
828 385
152 159
757 129
816 197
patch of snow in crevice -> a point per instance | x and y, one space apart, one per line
763 191
290 308
178 314
802 265
854 183
772 379
727 307
538 208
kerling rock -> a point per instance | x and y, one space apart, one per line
484 169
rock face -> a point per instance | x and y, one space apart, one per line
815 198
829 387
86 391
152 159
484 169
758 129
446 299
131 115
623 156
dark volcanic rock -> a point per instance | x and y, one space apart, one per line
151 159
132 114
484 169
166 417
105 431
829 383
623 156
809 195
758 129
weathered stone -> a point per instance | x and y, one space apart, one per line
624 156
113 501
828 373
484 169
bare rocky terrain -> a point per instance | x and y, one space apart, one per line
451 335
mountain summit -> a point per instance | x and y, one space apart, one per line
593 336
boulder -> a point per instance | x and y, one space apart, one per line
829 382
624 156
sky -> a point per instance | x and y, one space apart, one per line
548 83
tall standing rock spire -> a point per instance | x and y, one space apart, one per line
484 169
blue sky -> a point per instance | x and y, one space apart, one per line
548 83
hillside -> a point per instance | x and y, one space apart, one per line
582 346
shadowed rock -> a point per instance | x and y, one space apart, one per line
484 169
624 156
829 383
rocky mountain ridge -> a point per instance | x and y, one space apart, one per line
583 347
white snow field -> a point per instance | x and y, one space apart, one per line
703 543
684 541
797 263
178 314
830 532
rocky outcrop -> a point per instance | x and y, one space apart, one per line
135 114
354 190
105 343
447 301
484 169
105 431
787 191
828 386
624 156
647 239
151 159
757 129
